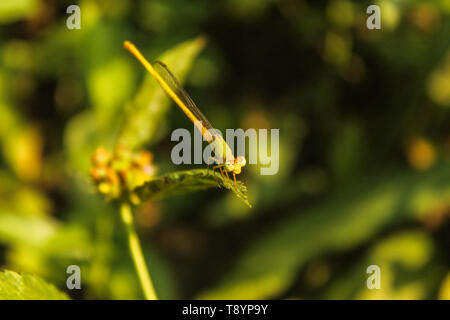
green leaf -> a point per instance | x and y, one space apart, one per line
33 231
14 10
148 108
45 235
14 286
273 259
181 182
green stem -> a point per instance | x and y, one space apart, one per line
136 253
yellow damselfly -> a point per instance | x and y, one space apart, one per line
226 162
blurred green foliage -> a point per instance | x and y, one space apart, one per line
364 146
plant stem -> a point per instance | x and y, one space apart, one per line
136 253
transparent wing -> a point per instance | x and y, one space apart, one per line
176 87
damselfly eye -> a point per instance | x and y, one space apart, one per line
241 161
229 167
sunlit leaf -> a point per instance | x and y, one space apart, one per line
181 182
44 234
444 291
26 230
14 286
13 10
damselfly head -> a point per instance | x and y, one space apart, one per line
229 166
236 165
241 161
